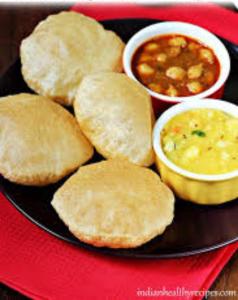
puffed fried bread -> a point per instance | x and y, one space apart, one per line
41 142
115 113
64 48
114 204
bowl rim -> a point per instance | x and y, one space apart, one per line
224 60
221 105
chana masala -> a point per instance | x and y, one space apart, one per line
175 65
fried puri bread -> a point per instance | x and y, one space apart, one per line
115 113
63 49
41 142
114 204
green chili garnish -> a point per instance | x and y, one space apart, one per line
199 133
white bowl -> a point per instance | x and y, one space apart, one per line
187 29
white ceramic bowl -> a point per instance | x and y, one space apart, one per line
187 29
200 188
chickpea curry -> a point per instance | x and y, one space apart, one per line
203 141
175 65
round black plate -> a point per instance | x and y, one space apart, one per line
195 228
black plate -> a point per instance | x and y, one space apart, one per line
195 228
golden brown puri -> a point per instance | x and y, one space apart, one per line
41 142
63 49
115 204
115 113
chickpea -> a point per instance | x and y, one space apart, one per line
145 58
171 91
195 71
195 87
178 41
206 54
151 47
176 73
208 77
155 87
193 46
162 57
145 69
174 51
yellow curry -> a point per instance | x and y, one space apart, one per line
203 141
